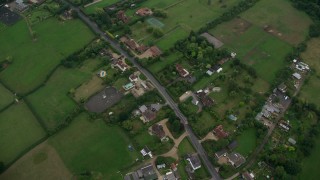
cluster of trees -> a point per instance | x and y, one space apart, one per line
199 51
90 51
230 14
156 32
160 13
56 11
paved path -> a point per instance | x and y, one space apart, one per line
209 136
193 139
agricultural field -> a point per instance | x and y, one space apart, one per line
87 89
19 130
179 22
99 5
312 54
54 41
281 18
6 97
42 162
86 146
51 102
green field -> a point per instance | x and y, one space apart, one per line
163 62
19 130
6 97
52 102
310 165
34 59
309 91
247 141
255 47
180 20
94 146
99 5
312 54
291 23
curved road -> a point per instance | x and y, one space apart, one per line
195 142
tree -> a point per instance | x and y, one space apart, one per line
292 167
176 126
279 172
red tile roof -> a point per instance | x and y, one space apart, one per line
155 51
183 72
144 12
219 132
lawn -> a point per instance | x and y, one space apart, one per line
310 165
247 141
51 102
94 146
99 5
19 130
89 88
6 97
185 148
34 59
291 23
168 40
169 60
255 47
310 90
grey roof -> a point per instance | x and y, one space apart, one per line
194 160
292 141
143 108
155 107
236 159
221 153
233 145
148 172
169 176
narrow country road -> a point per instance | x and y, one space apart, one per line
193 139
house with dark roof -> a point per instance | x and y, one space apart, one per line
182 72
170 176
205 99
221 153
247 176
219 132
236 159
193 161
148 172
233 145
157 130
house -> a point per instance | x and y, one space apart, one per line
148 173
284 126
297 76
155 51
128 86
236 159
157 130
120 64
20 5
194 161
146 152
161 166
209 72
247 176
221 153
233 145
170 176
219 132
122 16
282 88
143 108
232 117
182 72
133 78
144 12
216 68
205 100
301 66
292 141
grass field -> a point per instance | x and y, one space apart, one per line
42 162
291 23
247 142
255 47
94 146
18 131
89 88
312 54
51 102
310 165
310 90
6 97
99 5
32 60
181 18
160 65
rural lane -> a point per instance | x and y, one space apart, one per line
195 142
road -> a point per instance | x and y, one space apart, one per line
193 139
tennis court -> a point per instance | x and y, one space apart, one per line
155 23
